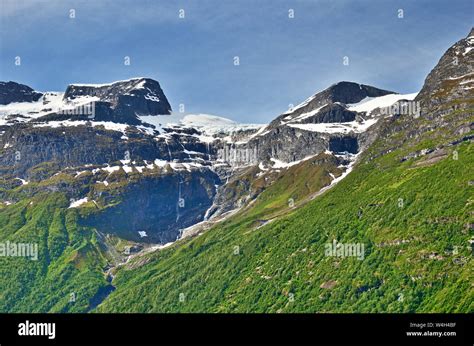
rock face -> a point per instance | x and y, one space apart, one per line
133 182
161 177
25 147
287 144
448 90
452 77
342 92
138 178
330 113
11 92
323 122
159 205
122 101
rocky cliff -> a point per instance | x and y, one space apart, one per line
11 92
129 153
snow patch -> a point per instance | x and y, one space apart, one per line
78 203
331 128
281 164
308 114
140 85
108 125
368 104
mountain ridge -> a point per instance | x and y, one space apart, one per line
102 199
407 199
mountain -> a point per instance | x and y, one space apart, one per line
123 101
407 200
329 104
107 145
332 120
110 158
11 92
320 125
133 206
452 77
127 147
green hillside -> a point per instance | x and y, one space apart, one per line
67 273
413 216
401 224
407 201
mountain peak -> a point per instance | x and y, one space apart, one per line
451 78
343 92
122 101
12 92
351 92
131 81
110 91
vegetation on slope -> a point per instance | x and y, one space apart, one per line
68 271
412 213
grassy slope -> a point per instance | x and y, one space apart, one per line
70 259
280 267
239 266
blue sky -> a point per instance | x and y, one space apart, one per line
282 60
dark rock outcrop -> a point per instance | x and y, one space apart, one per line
123 101
14 92
332 113
344 144
152 205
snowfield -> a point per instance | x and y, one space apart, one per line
108 125
208 124
370 103
50 102
342 128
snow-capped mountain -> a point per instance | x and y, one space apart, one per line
329 101
123 101
210 126
324 123
126 154
119 102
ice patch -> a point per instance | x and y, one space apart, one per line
78 203
343 128
108 125
370 103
